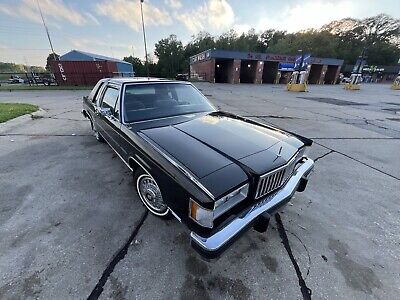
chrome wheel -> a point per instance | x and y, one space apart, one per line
150 194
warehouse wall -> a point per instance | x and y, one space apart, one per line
204 70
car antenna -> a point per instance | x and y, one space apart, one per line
144 39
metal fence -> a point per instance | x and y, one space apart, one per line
47 78
29 78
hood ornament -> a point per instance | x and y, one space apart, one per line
279 154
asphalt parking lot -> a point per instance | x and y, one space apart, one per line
70 220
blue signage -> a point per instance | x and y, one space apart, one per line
285 67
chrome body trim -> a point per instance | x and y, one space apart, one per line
139 164
119 155
240 223
184 170
224 207
175 215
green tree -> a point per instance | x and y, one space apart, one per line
138 67
269 38
50 58
322 44
169 52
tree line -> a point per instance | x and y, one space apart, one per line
344 39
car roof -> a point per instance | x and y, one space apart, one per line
122 80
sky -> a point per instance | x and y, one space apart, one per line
113 27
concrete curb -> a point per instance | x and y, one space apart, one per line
4 127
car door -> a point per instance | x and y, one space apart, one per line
108 116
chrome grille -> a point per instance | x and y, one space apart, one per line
275 179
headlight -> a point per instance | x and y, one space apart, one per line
200 214
230 200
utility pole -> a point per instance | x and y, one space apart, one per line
144 38
47 30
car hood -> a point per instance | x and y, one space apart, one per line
222 150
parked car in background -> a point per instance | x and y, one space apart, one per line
216 172
182 77
15 79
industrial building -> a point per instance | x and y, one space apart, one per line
224 66
83 68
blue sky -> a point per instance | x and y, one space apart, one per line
113 27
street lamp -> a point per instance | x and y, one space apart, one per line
359 67
144 38
300 65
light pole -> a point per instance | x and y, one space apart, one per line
300 65
144 38
359 67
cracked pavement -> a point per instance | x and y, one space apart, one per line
70 223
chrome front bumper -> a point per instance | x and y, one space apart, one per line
214 245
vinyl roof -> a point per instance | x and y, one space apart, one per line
121 80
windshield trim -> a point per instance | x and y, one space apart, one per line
123 121
169 117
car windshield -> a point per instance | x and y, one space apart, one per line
160 100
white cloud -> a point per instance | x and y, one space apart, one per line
214 16
128 12
55 10
6 10
220 14
307 15
92 18
241 28
194 20
85 44
174 4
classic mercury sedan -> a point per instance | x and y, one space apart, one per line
218 173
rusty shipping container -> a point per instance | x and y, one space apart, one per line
82 72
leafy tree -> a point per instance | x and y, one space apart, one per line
322 44
138 67
50 58
227 40
381 28
269 38
169 52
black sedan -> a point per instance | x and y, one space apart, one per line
218 173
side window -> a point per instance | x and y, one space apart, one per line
110 98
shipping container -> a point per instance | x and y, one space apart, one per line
82 72
83 68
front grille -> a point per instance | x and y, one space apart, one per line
275 179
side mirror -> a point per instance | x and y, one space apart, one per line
105 111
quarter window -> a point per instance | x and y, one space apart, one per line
94 94
110 98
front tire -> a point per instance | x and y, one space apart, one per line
150 194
